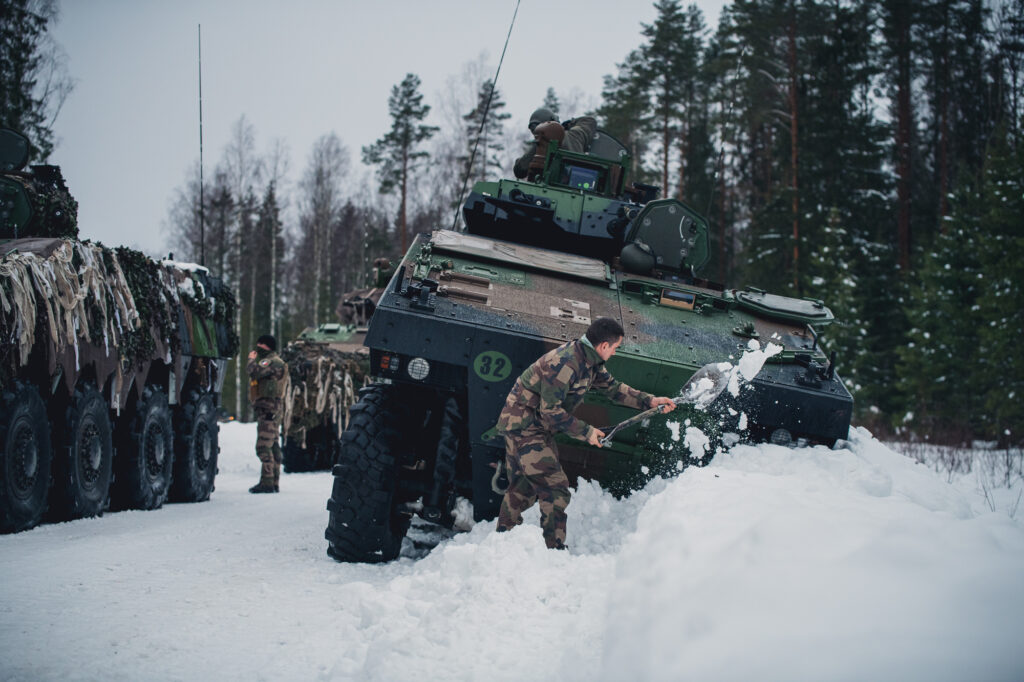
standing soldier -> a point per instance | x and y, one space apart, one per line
267 372
540 404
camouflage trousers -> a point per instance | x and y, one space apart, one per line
268 446
535 475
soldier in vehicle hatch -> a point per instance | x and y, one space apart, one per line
575 135
540 404
267 374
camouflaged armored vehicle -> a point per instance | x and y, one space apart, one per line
326 366
467 312
111 364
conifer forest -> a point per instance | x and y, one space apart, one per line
868 153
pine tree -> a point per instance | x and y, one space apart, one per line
34 82
397 154
485 137
669 67
939 364
551 101
834 277
1001 304
624 113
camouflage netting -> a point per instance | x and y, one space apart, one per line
324 382
76 292
114 300
54 210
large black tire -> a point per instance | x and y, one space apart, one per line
368 519
145 453
26 453
297 458
320 453
195 448
83 466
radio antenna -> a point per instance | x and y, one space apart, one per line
483 121
202 198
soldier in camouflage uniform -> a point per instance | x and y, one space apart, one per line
266 384
578 134
539 405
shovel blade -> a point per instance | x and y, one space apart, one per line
706 384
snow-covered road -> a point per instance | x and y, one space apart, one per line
771 563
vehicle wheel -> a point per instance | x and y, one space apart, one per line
195 448
145 453
367 516
296 458
85 456
328 445
26 452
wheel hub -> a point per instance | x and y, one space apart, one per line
204 448
156 450
90 451
25 460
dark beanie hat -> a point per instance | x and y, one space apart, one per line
268 341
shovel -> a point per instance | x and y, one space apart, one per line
701 390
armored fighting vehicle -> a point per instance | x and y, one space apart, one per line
467 312
111 364
326 366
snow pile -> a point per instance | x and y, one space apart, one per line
770 563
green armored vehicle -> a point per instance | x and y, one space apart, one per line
111 364
326 366
467 312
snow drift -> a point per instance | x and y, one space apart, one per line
773 563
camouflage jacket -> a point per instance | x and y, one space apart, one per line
266 379
577 139
547 392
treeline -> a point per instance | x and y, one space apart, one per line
286 277
292 273
865 153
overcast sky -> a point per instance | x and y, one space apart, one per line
129 132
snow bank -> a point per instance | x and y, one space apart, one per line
816 564
770 563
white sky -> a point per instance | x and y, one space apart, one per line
129 132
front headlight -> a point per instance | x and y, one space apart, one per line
418 369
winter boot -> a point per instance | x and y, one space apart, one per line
264 487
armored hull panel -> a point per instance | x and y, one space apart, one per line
481 310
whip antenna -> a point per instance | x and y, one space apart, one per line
483 120
202 202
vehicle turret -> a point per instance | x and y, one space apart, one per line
33 202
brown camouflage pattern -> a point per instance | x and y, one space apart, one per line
548 391
535 475
540 404
266 384
268 445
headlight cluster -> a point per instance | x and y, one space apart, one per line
418 369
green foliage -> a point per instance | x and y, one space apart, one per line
1001 307
623 111
144 281
397 153
963 368
484 136
33 79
